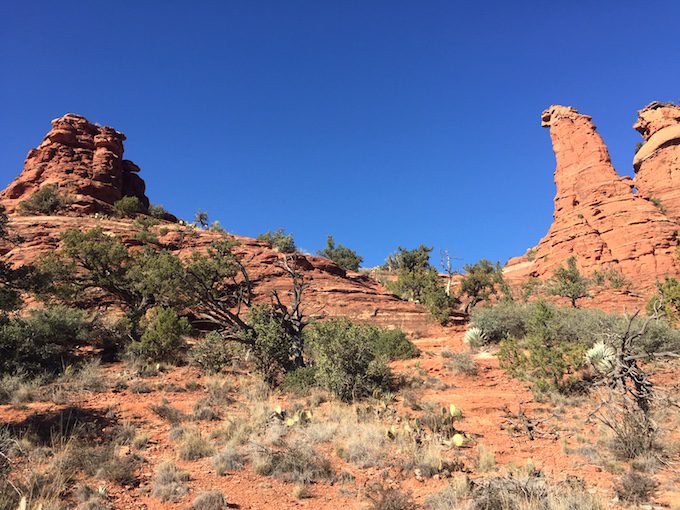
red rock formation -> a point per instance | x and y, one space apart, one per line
657 162
84 161
598 217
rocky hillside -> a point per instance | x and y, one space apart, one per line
85 162
610 222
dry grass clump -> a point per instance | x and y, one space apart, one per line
204 411
391 499
634 487
363 444
295 462
450 497
193 446
169 483
210 500
462 363
90 499
167 412
227 460
18 389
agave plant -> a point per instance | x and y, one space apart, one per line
474 337
602 357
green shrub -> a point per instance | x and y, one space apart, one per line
341 255
212 354
157 211
568 282
47 200
128 207
392 344
280 240
162 339
482 280
506 318
667 299
43 341
301 380
345 359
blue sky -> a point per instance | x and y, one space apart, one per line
383 123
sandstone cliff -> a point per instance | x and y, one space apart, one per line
85 162
607 221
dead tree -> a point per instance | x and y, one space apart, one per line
447 266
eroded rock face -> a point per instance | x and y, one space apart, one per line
657 162
84 161
598 216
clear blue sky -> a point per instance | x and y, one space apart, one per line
384 123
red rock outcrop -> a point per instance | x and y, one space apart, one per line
84 161
599 218
657 162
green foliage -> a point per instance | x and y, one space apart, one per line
657 202
506 318
345 358
216 226
47 200
157 211
280 240
569 283
162 339
128 207
341 255
93 261
667 300
43 341
391 343
201 218
301 380
481 281
273 344
418 281
530 287
212 354
543 357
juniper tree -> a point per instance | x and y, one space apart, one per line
341 255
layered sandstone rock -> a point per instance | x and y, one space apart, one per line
657 162
84 161
599 218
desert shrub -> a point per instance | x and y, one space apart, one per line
391 499
568 282
501 320
634 487
418 281
392 344
279 240
341 255
295 462
212 354
300 381
209 500
101 462
345 359
169 483
462 363
482 280
228 459
550 361
162 339
529 288
18 388
272 342
128 207
43 341
666 300
194 446
167 412
450 497
203 411
47 200
157 211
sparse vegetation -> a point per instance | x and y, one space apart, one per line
47 200
128 207
481 282
568 282
341 255
169 483
279 240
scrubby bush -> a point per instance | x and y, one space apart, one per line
482 280
345 358
301 380
157 211
341 255
43 341
666 300
506 318
162 339
209 500
418 281
568 282
212 354
279 239
128 207
634 487
47 200
294 462
392 344
169 483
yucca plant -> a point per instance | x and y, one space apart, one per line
602 357
474 337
